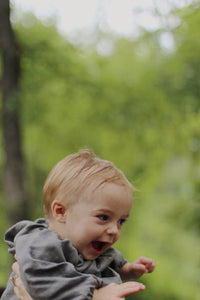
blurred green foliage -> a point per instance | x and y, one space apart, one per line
138 107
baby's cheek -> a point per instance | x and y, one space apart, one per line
117 237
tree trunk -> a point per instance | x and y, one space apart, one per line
14 165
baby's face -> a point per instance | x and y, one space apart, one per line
94 223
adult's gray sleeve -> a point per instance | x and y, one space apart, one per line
45 272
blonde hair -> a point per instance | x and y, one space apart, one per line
75 173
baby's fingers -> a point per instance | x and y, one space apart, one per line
151 266
130 287
149 263
15 268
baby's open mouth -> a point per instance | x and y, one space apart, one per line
98 246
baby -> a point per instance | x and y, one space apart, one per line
69 254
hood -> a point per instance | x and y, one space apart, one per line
21 228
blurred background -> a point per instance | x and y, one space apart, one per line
123 79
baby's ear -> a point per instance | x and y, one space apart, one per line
58 211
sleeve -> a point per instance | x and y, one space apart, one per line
118 260
45 272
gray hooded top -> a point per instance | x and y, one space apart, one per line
52 269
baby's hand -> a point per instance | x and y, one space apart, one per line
115 291
136 269
19 288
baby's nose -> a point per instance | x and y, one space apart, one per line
113 229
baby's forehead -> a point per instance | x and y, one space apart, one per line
111 197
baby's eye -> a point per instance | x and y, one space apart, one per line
121 221
103 217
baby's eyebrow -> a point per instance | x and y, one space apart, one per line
106 211
126 217
103 211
